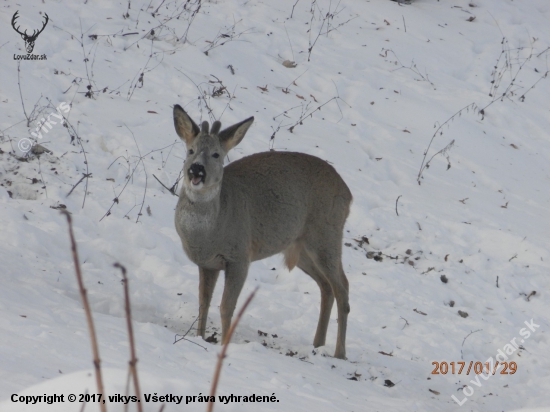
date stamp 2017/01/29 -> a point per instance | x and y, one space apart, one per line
457 368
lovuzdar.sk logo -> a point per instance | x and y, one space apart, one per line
29 39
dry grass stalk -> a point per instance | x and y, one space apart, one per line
221 356
133 359
85 303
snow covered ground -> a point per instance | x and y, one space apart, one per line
470 239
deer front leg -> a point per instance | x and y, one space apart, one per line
235 275
207 282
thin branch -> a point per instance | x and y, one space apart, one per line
310 113
231 97
84 176
471 333
224 38
201 97
285 90
191 18
84 403
522 97
42 176
21 94
141 72
74 136
412 67
158 28
128 178
171 190
424 162
176 339
293 8
289 42
179 338
397 200
327 18
133 359
87 310
144 170
505 64
89 93
221 356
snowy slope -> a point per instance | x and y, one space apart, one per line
385 78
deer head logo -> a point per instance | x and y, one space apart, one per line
29 40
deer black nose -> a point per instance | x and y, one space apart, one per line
197 170
197 174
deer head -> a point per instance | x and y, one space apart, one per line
29 40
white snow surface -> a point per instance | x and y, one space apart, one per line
394 74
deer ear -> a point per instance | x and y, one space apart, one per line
186 128
233 135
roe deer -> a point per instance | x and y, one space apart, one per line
255 207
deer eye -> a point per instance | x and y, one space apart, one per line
191 151
215 155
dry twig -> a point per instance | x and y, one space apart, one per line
87 310
471 333
221 356
133 359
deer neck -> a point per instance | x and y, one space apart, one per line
198 211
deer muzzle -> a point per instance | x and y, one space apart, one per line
196 173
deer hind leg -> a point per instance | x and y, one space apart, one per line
329 261
343 311
207 282
327 297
